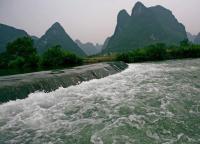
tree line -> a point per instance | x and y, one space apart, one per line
161 51
21 56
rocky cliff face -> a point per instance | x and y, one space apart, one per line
143 27
105 44
56 35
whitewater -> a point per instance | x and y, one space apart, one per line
148 103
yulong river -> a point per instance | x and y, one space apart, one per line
148 103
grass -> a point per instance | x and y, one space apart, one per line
99 58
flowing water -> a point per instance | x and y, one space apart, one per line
149 103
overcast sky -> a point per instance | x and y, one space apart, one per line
87 20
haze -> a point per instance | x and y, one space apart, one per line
87 20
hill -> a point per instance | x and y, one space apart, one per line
9 34
143 27
56 35
89 48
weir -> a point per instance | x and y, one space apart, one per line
19 86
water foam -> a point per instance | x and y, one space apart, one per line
143 103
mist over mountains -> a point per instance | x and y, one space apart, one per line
89 48
194 38
191 37
197 39
145 26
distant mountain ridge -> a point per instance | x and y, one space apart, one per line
9 34
89 48
191 37
194 38
197 39
56 35
143 27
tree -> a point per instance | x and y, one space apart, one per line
23 47
4 60
156 52
22 53
17 63
184 43
57 57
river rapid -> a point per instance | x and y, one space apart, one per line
148 103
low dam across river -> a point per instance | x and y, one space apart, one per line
19 86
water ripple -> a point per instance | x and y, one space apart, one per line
147 103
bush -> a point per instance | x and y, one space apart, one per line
4 60
150 53
22 47
56 57
22 54
161 52
17 63
32 62
126 57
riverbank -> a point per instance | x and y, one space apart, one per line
19 86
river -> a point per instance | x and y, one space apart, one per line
148 103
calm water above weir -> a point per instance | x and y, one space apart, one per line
149 103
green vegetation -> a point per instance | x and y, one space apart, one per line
22 57
22 54
57 35
145 26
100 58
56 57
161 51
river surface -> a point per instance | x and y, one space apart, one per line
148 103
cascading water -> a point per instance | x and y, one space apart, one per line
147 103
